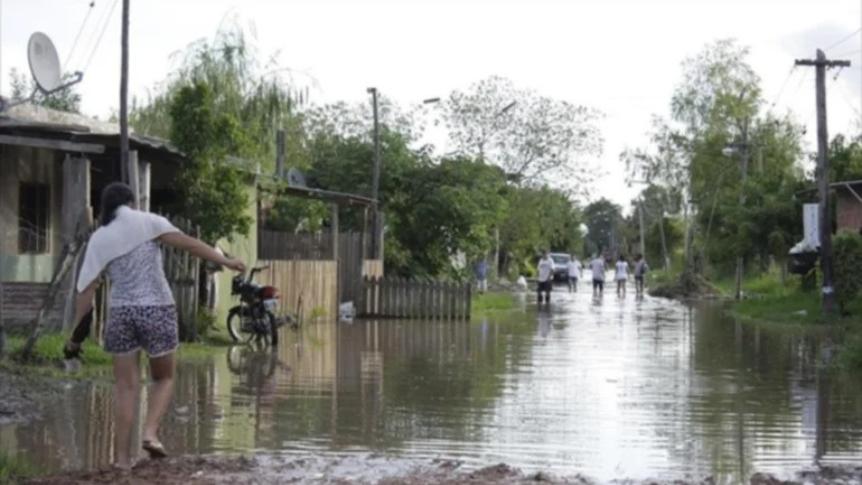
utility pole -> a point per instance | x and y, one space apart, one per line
820 65
743 167
125 175
279 154
641 221
375 181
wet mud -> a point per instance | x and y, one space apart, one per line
378 470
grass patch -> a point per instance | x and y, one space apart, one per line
662 277
793 307
48 354
13 469
488 303
49 350
850 355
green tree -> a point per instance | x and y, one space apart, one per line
214 194
537 140
538 218
223 109
68 99
603 219
845 159
847 248
718 105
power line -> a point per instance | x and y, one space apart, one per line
844 39
78 35
101 34
93 32
101 19
850 53
783 86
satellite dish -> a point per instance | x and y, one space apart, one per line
44 62
295 178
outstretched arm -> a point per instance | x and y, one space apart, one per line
200 249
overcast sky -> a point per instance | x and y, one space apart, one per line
622 57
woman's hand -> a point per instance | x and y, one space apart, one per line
235 265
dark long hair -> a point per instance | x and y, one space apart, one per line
113 196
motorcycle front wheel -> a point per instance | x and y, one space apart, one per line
236 326
241 333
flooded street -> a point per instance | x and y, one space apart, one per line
607 388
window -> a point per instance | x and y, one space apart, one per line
33 218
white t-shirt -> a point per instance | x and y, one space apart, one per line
574 268
597 266
546 269
622 270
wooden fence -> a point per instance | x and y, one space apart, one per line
287 246
307 288
183 273
403 298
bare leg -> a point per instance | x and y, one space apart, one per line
127 379
159 397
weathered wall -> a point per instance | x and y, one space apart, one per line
22 165
21 303
242 247
848 210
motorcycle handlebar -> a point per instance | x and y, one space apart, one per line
255 270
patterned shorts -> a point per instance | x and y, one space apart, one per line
153 328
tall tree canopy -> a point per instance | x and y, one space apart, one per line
537 139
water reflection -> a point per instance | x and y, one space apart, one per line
608 386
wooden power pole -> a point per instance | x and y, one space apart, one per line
375 181
821 63
125 174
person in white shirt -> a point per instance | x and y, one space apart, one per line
597 266
574 274
622 275
546 276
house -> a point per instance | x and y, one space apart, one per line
53 166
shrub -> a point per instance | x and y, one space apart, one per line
847 254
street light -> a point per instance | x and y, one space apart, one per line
741 149
375 181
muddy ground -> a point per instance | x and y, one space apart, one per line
22 394
372 469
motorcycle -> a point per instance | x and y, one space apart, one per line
254 318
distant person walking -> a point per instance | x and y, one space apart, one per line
575 269
546 276
597 266
482 275
641 268
622 275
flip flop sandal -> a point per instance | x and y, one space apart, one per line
154 449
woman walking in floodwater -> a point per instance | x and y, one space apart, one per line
622 275
597 267
142 313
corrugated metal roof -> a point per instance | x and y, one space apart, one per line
32 115
32 120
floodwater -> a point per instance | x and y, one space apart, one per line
611 388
